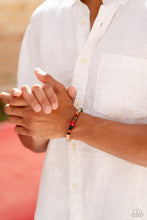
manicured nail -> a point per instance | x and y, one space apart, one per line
41 71
55 106
37 108
4 93
17 93
47 109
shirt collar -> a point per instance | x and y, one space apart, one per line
122 2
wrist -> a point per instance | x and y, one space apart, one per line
68 115
80 127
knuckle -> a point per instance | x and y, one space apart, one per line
36 87
47 77
53 99
32 100
50 92
45 102
47 86
21 130
24 88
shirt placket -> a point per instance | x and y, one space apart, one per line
81 70
80 81
75 208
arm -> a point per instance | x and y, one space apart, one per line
15 98
126 141
35 144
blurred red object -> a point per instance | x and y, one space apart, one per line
20 172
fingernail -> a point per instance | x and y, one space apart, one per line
41 71
47 109
37 108
55 106
18 92
4 93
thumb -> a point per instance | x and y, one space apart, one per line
45 78
71 91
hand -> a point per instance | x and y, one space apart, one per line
38 97
42 125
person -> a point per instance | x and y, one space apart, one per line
100 48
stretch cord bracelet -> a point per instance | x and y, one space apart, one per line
72 123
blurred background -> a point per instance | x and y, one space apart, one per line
20 169
14 18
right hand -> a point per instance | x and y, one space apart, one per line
38 97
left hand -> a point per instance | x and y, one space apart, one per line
40 124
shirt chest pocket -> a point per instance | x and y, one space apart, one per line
121 89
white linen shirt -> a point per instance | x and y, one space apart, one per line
108 67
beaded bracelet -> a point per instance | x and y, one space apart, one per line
72 123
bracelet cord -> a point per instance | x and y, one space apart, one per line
72 123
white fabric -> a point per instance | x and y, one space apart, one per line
108 67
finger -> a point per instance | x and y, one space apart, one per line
17 121
51 95
22 130
10 99
40 95
30 98
71 91
16 92
46 78
13 110
25 112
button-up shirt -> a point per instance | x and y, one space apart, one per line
108 67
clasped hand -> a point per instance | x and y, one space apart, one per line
41 111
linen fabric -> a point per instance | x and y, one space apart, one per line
108 67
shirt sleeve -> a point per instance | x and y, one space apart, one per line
29 55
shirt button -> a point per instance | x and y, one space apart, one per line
83 61
74 186
74 145
82 21
122 2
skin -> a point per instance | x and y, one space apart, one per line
128 142
25 100
93 6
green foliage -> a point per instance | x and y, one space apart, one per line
3 116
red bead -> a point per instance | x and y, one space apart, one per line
72 123
76 115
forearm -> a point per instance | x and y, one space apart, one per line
35 144
126 141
